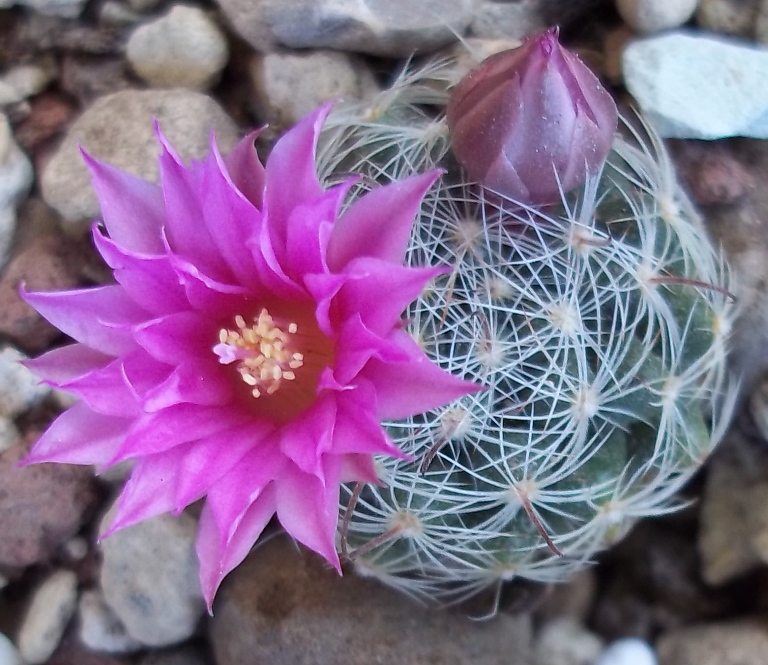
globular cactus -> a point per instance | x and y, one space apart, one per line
599 328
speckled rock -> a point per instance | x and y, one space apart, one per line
149 578
284 606
393 28
183 48
698 86
733 17
289 84
649 16
41 506
118 129
53 604
98 627
47 263
739 642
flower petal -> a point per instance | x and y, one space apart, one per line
99 318
308 507
66 363
246 170
304 439
378 225
193 381
132 208
147 279
176 338
406 388
80 436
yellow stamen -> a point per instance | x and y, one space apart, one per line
262 351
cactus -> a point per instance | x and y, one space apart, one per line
599 327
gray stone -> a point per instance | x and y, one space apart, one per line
733 17
99 628
183 48
507 20
649 16
284 606
20 389
149 578
9 435
118 129
289 84
393 28
52 606
739 642
695 86
23 81
9 654
16 177
566 642
62 8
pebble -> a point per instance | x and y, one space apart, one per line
41 506
183 48
9 435
732 17
23 81
149 578
16 177
49 613
289 84
118 129
650 16
628 651
389 28
285 606
9 654
99 628
737 642
697 86
566 642
20 389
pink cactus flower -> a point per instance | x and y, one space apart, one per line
250 348
532 121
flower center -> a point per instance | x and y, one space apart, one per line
263 351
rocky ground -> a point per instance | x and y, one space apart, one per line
691 588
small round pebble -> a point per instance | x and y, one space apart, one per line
628 651
20 389
52 607
650 16
9 655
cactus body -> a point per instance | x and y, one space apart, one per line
599 327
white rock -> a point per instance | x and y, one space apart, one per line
9 435
20 390
628 651
695 86
51 609
16 177
289 84
24 81
9 654
149 577
566 642
183 48
100 629
649 16
117 129
63 8
507 20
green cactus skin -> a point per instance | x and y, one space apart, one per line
599 327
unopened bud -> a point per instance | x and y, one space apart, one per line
532 121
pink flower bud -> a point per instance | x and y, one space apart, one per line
532 120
